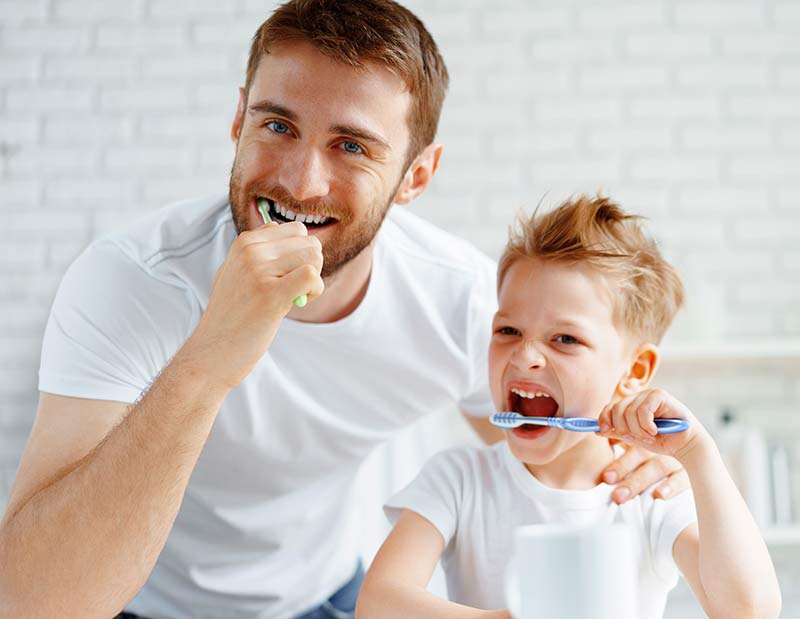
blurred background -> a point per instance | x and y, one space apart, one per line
687 112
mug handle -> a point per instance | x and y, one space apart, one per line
512 590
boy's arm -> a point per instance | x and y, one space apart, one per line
723 557
395 584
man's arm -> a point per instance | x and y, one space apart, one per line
98 489
92 506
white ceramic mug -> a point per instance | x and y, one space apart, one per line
572 572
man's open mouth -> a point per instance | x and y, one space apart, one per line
281 214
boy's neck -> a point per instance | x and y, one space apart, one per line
578 468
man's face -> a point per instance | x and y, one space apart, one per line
554 334
323 142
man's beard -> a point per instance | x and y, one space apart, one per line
349 240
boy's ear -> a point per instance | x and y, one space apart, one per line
419 174
641 371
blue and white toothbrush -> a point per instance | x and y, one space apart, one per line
509 421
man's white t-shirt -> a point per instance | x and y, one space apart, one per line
477 496
267 528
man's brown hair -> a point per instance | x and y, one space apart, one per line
358 31
597 232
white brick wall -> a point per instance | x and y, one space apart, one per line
688 111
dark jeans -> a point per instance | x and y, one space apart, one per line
341 605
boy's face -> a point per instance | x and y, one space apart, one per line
554 334
324 140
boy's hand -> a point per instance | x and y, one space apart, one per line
631 420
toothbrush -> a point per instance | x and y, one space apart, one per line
262 208
508 421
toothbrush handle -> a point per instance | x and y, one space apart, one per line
671 426
587 424
303 298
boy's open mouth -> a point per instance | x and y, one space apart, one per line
281 214
535 403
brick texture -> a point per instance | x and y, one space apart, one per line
688 111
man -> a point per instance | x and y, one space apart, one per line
174 350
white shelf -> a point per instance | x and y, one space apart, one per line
752 351
782 536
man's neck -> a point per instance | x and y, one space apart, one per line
343 293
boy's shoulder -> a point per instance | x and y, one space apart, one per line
471 460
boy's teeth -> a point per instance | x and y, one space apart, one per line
529 394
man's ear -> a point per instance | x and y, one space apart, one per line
419 174
640 372
236 128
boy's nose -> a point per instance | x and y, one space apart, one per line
528 356
305 175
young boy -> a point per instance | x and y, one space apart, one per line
584 299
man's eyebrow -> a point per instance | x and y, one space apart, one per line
361 134
269 107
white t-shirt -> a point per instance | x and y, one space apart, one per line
267 528
477 496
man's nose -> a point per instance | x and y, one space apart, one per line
529 356
305 175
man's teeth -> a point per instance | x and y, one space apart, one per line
529 394
292 216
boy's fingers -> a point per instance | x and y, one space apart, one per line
618 418
646 412
647 473
604 420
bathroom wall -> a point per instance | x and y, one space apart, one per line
685 111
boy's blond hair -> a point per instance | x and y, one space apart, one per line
597 232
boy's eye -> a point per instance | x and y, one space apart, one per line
507 331
277 126
566 339
352 147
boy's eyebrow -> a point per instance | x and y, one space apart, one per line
574 324
359 133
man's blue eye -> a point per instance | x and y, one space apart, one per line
277 126
352 147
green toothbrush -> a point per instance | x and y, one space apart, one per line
262 208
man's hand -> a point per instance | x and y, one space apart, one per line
638 469
253 290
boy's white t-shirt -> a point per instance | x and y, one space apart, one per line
477 496
268 526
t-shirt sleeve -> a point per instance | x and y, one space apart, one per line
435 494
112 328
667 518
483 304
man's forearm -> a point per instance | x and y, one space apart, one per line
85 543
